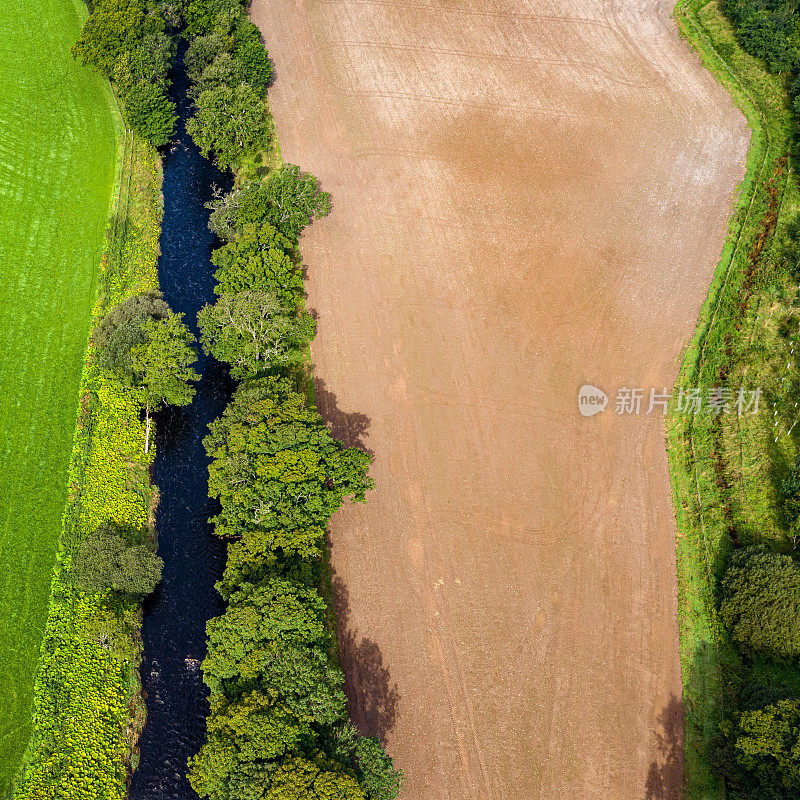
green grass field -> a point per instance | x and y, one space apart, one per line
57 149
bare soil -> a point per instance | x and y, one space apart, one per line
529 195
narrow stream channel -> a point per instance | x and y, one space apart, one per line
175 617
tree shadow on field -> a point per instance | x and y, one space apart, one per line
348 428
665 778
372 697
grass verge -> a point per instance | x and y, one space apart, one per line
723 469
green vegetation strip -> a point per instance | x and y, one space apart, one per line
57 148
88 711
725 471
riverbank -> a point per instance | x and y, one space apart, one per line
725 471
88 710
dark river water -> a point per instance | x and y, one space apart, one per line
175 616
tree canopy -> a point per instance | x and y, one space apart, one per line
106 560
761 601
162 362
276 465
125 41
257 256
231 121
254 332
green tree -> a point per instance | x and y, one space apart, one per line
288 201
163 364
273 638
256 257
202 52
150 113
259 550
106 560
294 199
376 770
319 778
249 51
254 332
147 64
202 16
113 29
758 752
374 767
230 123
761 601
276 466
123 328
244 737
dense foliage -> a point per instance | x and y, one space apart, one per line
278 728
107 559
127 42
287 201
229 69
746 687
254 332
761 601
769 29
759 751
146 348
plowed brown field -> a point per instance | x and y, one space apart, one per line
529 195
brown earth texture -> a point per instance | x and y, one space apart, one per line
529 195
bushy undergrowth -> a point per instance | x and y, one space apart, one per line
735 490
278 727
86 697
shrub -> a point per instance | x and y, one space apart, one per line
790 490
761 601
106 560
150 113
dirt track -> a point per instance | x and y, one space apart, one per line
529 195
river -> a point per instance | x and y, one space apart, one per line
175 616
